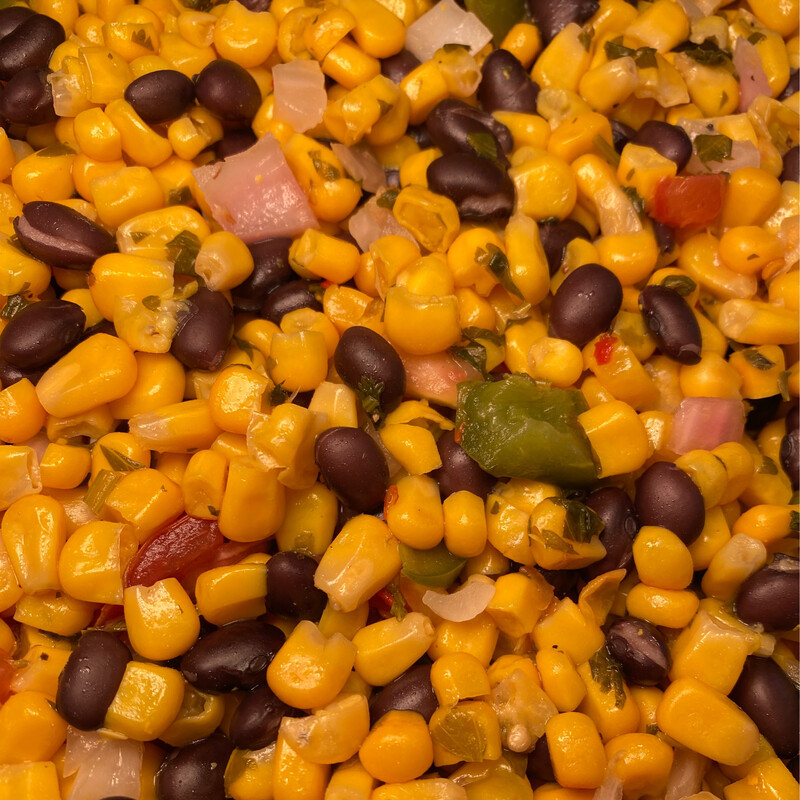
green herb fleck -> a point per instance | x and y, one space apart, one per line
14 304
580 523
244 346
460 734
369 393
141 38
387 199
607 674
483 144
768 467
552 541
794 521
138 236
635 198
119 462
278 395
682 284
182 251
606 150
180 196
783 385
755 358
495 509
151 302
755 37
473 334
384 107
652 729
645 57
713 147
398 609
494 259
213 511
325 170
709 54
474 354
100 488
56 150
585 38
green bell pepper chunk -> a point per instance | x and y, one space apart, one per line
436 568
499 16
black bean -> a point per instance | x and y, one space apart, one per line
235 142
29 44
196 771
257 5
667 497
12 17
270 269
791 165
665 237
540 767
41 333
203 331
161 95
769 596
369 365
762 410
620 526
585 304
411 691
455 127
288 297
9 374
480 190
790 456
419 133
506 85
792 86
290 587
353 467
459 471
793 419
556 236
793 765
228 91
770 699
28 98
235 656
672 324
257 718
621 134
670 141
640 649
396 67
90 679
551 16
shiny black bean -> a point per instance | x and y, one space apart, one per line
161 95
235 142
480 190
90 679
640 649
585 304
290 587
396 67
203 331
506 85
791 87
419 133
353 467
665 237
9 374
456 127
621 134
270 269
790 456
28 99
459 472
369 365
556 236
29 44
791 165
257 5
257 718
765 693
769 597
196 771
60 236
540 767
411 691
41 333
672 324
670 141
12 17
666 496
235 656
553 15
288 297
762 410
620 526
228 91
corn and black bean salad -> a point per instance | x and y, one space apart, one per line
399 400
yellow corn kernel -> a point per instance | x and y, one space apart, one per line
416 517
758 323
517 604
613 711
310 670
30 779
350 780
630 256
138 140
295 777
549 519
764 191
767 523
431 218
420 324
477 636
199 716
64 467
348 623
414 447
124 193
325 29
748 249
672 608
10 590
253 504
145 499
768 779
97 136
560 679
398 748
784 290
244 36
732 564
91 424
577 135
760 368
115 451
346 307
30 728
203 484
249 773
45 174
377 31
662 559
21 414
607 85
21 273
325 256
643 168
227 594
468 731
545 184
712 376
414 169
527 130
425 86
93 560
620 372
237 393
176 428
704 720
348 65
301 360
527 262
576 752
55 612
562 63
464 524
707 473
147 702
641 761
309 521
42 667
306 319
458 676
617 436
388 648
19 474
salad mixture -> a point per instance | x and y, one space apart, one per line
399 400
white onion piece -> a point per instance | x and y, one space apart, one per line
371 222
463 604
69 94
743 154
686 775
709 7
104 766
362 166
446 23
702 423
752 78
300 97
610 788
37 443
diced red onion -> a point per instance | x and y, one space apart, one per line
255 195
371 222
702 423
691 9
300 96
436 377
104 766
463 604
446 23
686 775
752 78
610 788
362 165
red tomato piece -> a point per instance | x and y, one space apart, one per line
603 349
694 200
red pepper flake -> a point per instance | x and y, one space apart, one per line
458 433
382 600
326 284
389 500
603 349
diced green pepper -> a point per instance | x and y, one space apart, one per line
437 567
